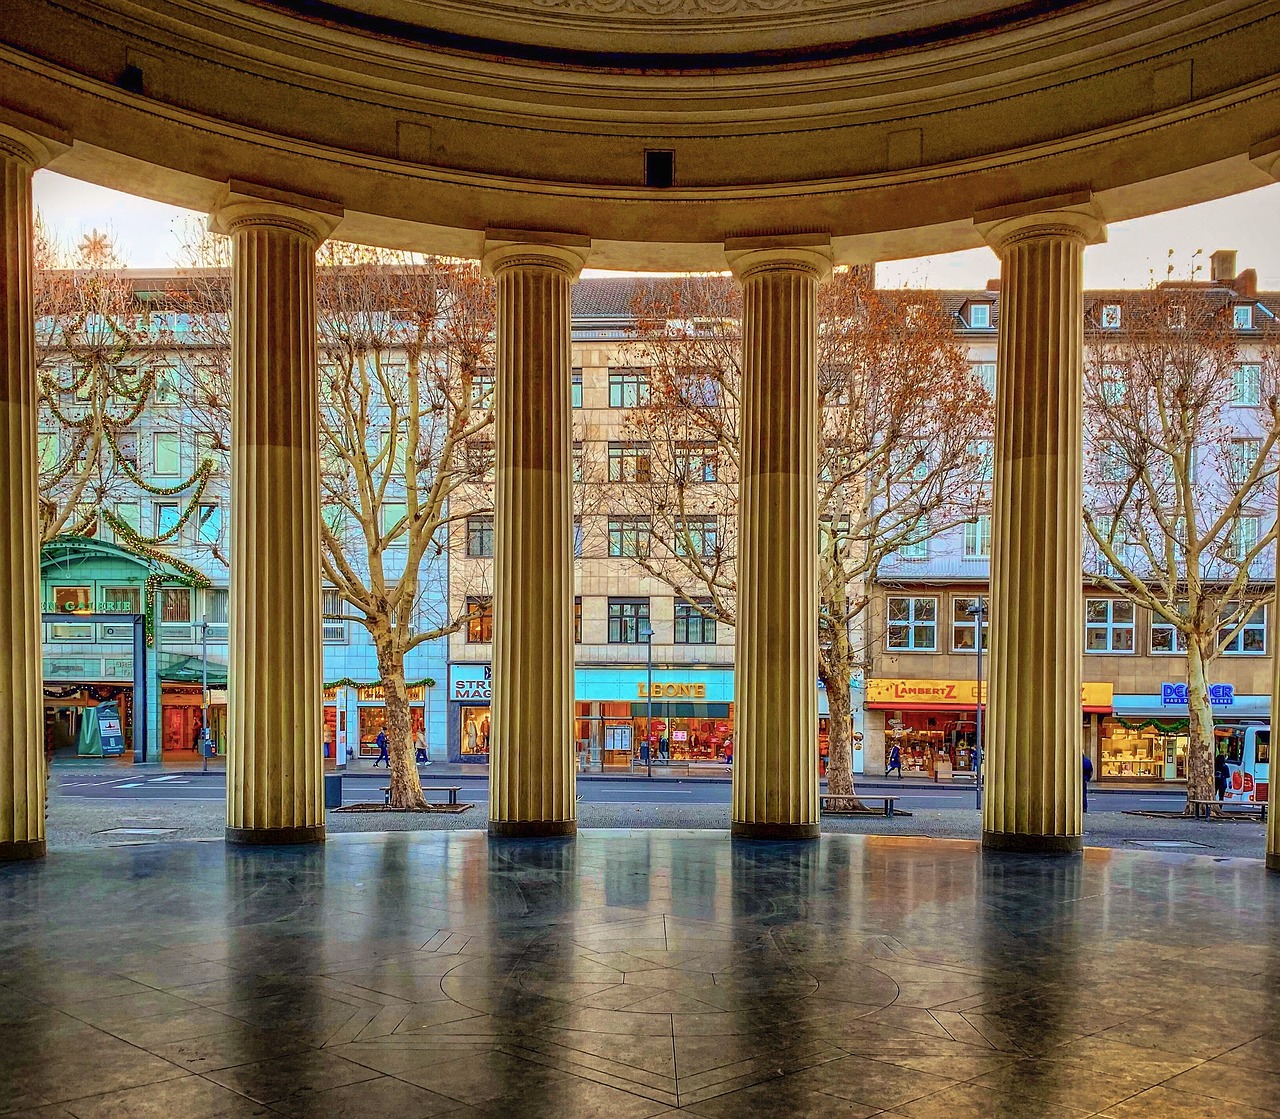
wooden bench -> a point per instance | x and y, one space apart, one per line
887 803
1203 809
452 790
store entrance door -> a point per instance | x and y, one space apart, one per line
617 744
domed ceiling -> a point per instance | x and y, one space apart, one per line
674 33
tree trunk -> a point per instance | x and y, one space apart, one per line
1200 741
406 788
835 674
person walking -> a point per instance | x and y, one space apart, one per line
383 754
1221 777
420 749
895 761
1087 771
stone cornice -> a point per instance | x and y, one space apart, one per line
512 248
248 204
806 252
1074 216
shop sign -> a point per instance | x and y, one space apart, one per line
1175 695
468 690
960 693
471 683
118 668
375 693
672 690
72 668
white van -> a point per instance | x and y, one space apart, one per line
1248 750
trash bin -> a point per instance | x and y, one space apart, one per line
333 790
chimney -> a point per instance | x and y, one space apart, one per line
1222 266
1246 283
993 285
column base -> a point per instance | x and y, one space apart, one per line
1273 860
741 829
532 829
271 837
14 850
1018 843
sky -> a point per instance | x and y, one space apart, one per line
148 235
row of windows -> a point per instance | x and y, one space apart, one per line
1246 384
628 622
1110 626
629 537
1111 315
165 446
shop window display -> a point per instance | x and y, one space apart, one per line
927 738
1143 751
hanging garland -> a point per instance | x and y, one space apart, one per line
347 682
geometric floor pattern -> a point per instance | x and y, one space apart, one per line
628 975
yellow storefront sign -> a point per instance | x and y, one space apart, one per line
960 693
673 691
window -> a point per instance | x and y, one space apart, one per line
72 600
984 451
699 389
479 620
480 537
577 620
576 388
629 536
334 626
977 537
479 458
985 372
168 516
913 624
175 606
1177 317
209 524
629 462
1111 384
1245 536
1242 316
1252 638
578 536
166 385
628 388
1246 385
980 316
964 623
697 462
915 545
392 448
121 600
480 389
393 513
1113 465
126 443
625 616
1241 455
167 452
216 602
579 467
693 627
1108 625
1110 317
1165 636
130 512
697 536
48 450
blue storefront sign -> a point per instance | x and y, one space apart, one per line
1175 695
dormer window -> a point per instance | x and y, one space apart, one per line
980 316
1177 317
1110 317
1242 316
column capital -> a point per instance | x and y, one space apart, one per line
29 140
1075 216
799 252
515 248
1265 156
249 204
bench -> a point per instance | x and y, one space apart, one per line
1203 809
887 803
452 790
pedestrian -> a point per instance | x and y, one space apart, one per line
420 749
1087 769
197 738
664 750
383 754
1221 777
895 761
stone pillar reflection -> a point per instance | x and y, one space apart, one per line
1034 737
22 767
775 737
531 746
1273 773
274 764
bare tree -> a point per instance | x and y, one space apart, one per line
406 348
901 455
1180 435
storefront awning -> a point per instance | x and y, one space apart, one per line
1151 707
178 669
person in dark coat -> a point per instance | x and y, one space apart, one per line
1221 776
895 761
383 754
1087 770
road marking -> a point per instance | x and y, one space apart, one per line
132 785
173 777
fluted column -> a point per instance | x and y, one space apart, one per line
22 771
274 764
775 734
1034 737
1273 771
531 770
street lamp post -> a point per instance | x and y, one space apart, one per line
978 611
204 694
646 632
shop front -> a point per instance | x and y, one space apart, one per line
1145 737
934 723
371 717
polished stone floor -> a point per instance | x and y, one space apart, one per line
627 975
